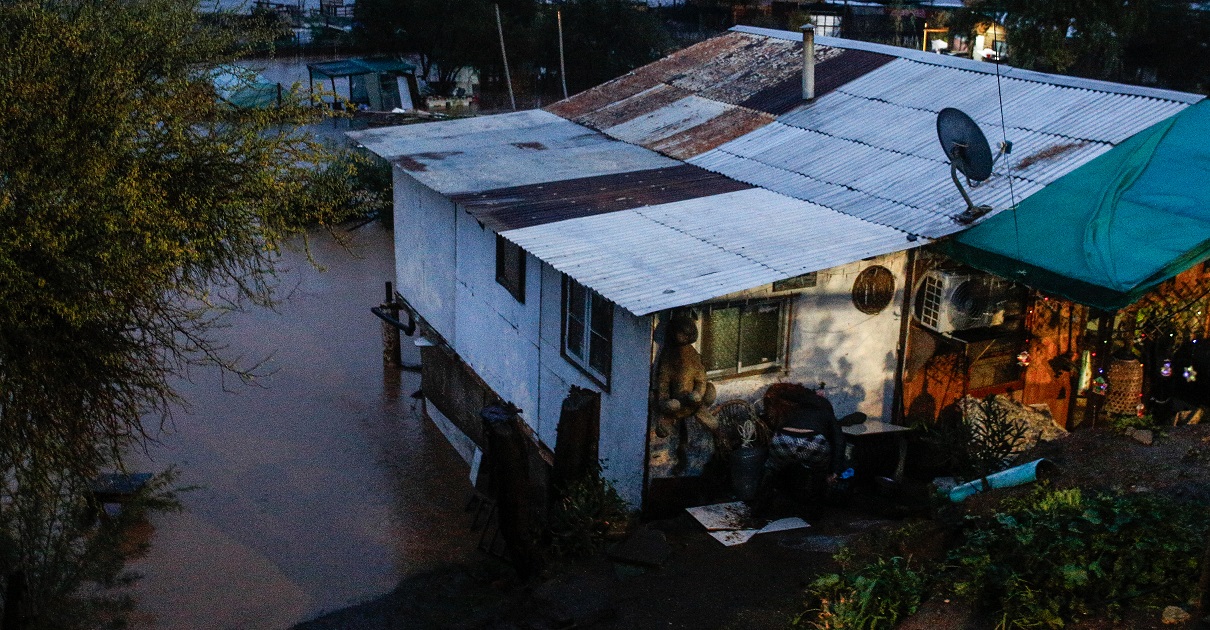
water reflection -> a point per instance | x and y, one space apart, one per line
321 486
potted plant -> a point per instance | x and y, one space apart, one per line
747 461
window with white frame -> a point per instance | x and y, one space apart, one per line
587 330
744 337
826 25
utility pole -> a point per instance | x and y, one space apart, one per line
562 67
503 53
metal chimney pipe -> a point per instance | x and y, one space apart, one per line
808 62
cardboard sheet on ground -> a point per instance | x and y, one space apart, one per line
733 524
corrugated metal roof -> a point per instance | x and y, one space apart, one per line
853 174
536 204
476 154
675 254
829 75
963 63
869 148
709 93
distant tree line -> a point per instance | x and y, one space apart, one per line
602 39
1153 42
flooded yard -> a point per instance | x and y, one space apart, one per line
320 485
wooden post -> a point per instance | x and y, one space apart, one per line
579 431
1102 349
391 347
509 467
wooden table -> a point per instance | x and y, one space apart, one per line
878 427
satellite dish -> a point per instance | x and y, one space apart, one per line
967 149
964 144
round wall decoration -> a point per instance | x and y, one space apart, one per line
873 289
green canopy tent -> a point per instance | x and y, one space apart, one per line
1110 231
379 84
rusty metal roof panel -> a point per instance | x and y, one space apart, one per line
658 257
655 73
675 118
831 73
632 107
525 206
731 124
734 75
489 152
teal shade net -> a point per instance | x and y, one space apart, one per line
1111 230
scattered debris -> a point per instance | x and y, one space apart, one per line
733 524
1037 419
1051 152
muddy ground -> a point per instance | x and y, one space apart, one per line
702 584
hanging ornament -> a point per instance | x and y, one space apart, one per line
1166 368
1190 374
1023 358
1100 385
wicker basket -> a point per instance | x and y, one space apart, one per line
730 415
1125 387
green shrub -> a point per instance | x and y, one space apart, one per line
993 437
875 597
1121 423
586 513
1043 559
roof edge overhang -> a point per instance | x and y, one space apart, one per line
1052 283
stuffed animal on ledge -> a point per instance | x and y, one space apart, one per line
682 390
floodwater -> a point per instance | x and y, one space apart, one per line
321 485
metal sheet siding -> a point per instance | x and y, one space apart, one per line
671 255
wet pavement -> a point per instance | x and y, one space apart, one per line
320 485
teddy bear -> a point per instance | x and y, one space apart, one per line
682 390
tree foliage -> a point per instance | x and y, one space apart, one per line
1141 41
135 208
128 192
602 38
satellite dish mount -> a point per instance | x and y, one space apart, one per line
968 151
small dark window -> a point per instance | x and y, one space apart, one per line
510 267
587 330
742 338
805 281
873 289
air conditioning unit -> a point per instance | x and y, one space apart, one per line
949 301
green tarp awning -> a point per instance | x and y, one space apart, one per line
1111 230
350 67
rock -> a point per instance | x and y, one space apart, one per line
1143 436
1173 615
646 548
